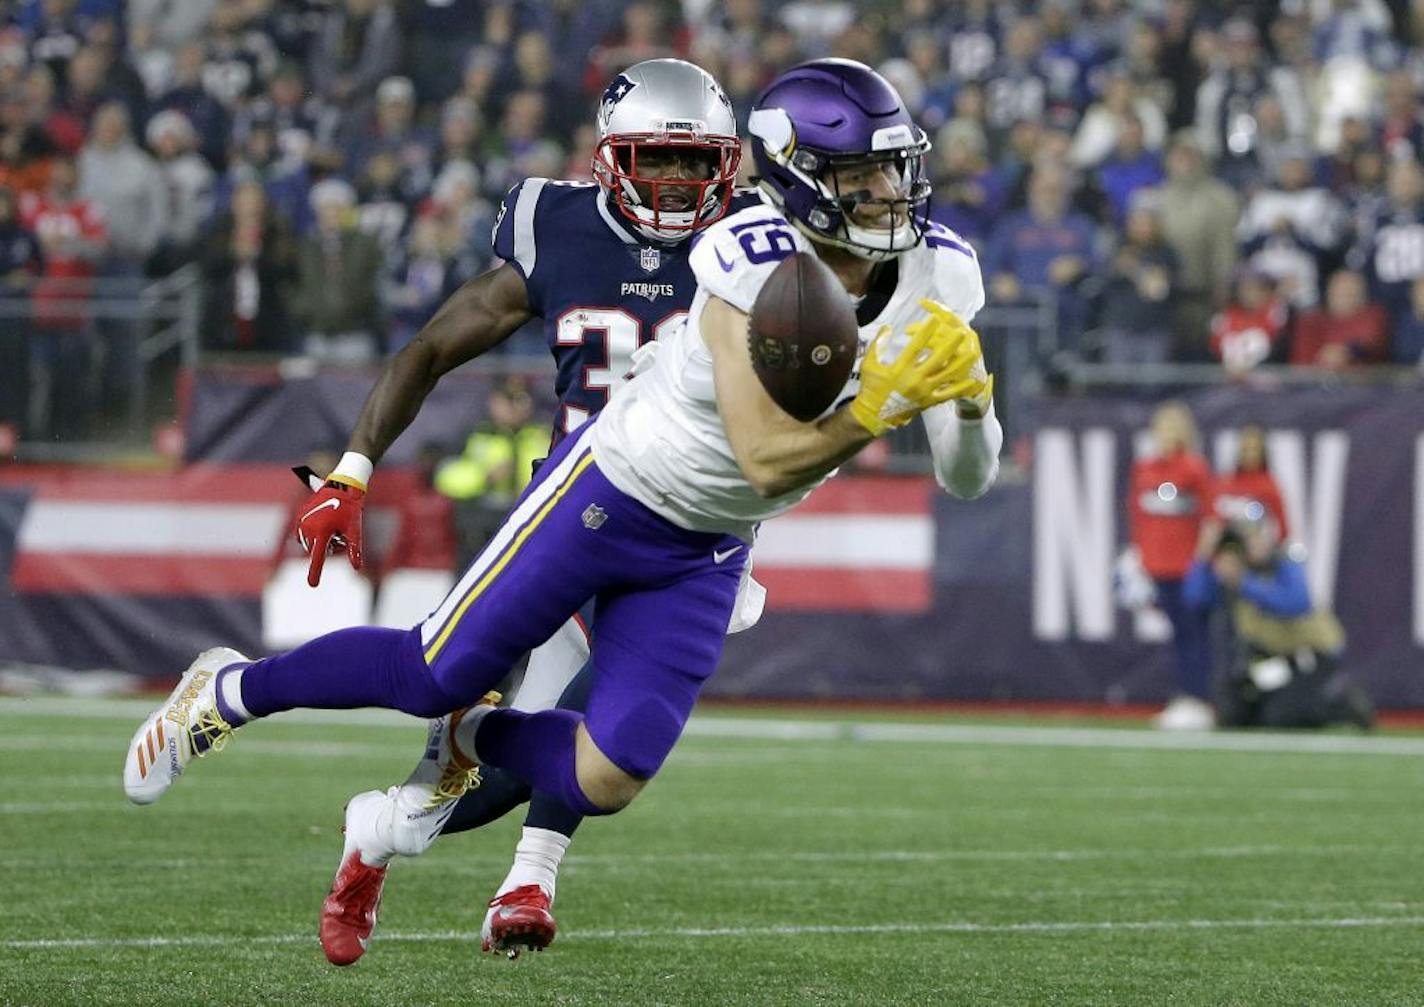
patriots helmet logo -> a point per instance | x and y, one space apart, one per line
722 97
615 92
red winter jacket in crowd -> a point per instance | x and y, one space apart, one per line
1259 486
1167 499
1242 337
72 234
1364 334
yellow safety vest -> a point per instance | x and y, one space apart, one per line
477 472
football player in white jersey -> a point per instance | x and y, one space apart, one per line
841 167
650 509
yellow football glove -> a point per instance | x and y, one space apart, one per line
943 361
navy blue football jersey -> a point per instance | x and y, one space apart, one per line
601 289
1392 254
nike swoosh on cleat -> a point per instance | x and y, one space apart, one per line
720 557
333 504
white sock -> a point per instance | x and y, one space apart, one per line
536 861
372 831
463 736
231 685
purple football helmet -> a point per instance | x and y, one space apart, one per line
828 117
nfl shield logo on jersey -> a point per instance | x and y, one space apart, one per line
594 516
650 259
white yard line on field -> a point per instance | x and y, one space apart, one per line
56 807
135 709
769 729
480 864
253 746
703 933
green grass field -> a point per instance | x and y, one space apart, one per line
775 861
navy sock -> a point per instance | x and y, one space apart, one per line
548 812
499 793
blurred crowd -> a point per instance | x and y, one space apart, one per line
1179 180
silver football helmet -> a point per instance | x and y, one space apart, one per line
680 109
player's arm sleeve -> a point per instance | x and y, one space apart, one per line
516 233
965 451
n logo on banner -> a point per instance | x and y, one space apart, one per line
1074 533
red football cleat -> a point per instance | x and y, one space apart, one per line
349 913
519 920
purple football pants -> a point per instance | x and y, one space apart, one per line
663 596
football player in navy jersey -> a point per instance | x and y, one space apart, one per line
604 265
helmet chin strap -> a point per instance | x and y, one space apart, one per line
897 240
642 217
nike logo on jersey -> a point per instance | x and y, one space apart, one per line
727 267
333 504
720 556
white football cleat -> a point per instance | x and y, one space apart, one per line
1185 713
186 726
449 769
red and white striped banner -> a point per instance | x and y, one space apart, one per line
210 531
858 543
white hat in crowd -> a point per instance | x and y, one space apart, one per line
332 192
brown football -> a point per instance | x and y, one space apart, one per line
803 336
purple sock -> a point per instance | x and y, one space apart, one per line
362 666
538 747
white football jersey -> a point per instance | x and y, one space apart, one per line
661 440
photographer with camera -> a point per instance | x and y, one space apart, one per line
1283 669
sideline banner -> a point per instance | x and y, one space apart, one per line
1023 605
880 588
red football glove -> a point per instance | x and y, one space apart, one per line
331 520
